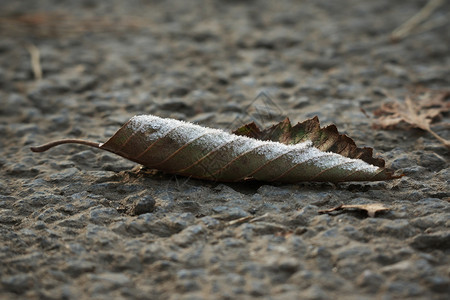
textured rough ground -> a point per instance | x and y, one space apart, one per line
78 223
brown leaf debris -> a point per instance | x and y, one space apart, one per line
324 138
418 111
371 208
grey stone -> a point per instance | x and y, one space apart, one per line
353 251
397 228
78 267
432 161
84 83
262 228
286 264
237 72
314 292
99 284
18 283
433 203
319 63
189 235
171 224
74 222
258 288
288 83
143 205
403 161
312 90
370 281
299 102
9 107
83 156
179 91
193 273
431 221
48 215
177 105
439 284
190 206
437 240
76 248
210 223
232 243
274 192
187 285
404 289
229 213
304 216
355 234
19 169
46 88
102 214
39 225
65 175
7 216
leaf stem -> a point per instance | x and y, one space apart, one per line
438 137
47 146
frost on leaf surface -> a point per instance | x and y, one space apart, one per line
285 153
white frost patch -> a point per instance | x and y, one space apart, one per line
271 152
210 138
185 134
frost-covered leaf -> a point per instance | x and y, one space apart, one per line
325 139
191 150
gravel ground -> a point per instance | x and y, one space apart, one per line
80 223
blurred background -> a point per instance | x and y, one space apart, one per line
207 61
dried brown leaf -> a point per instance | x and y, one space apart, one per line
176 147
418 111
325 139
371 208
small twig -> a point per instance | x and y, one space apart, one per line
240 220
364 112
35 56
326 211
250 219
406 28
439 138
259 218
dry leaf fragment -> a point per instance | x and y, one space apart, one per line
191 150
371 208
325 139
419 113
